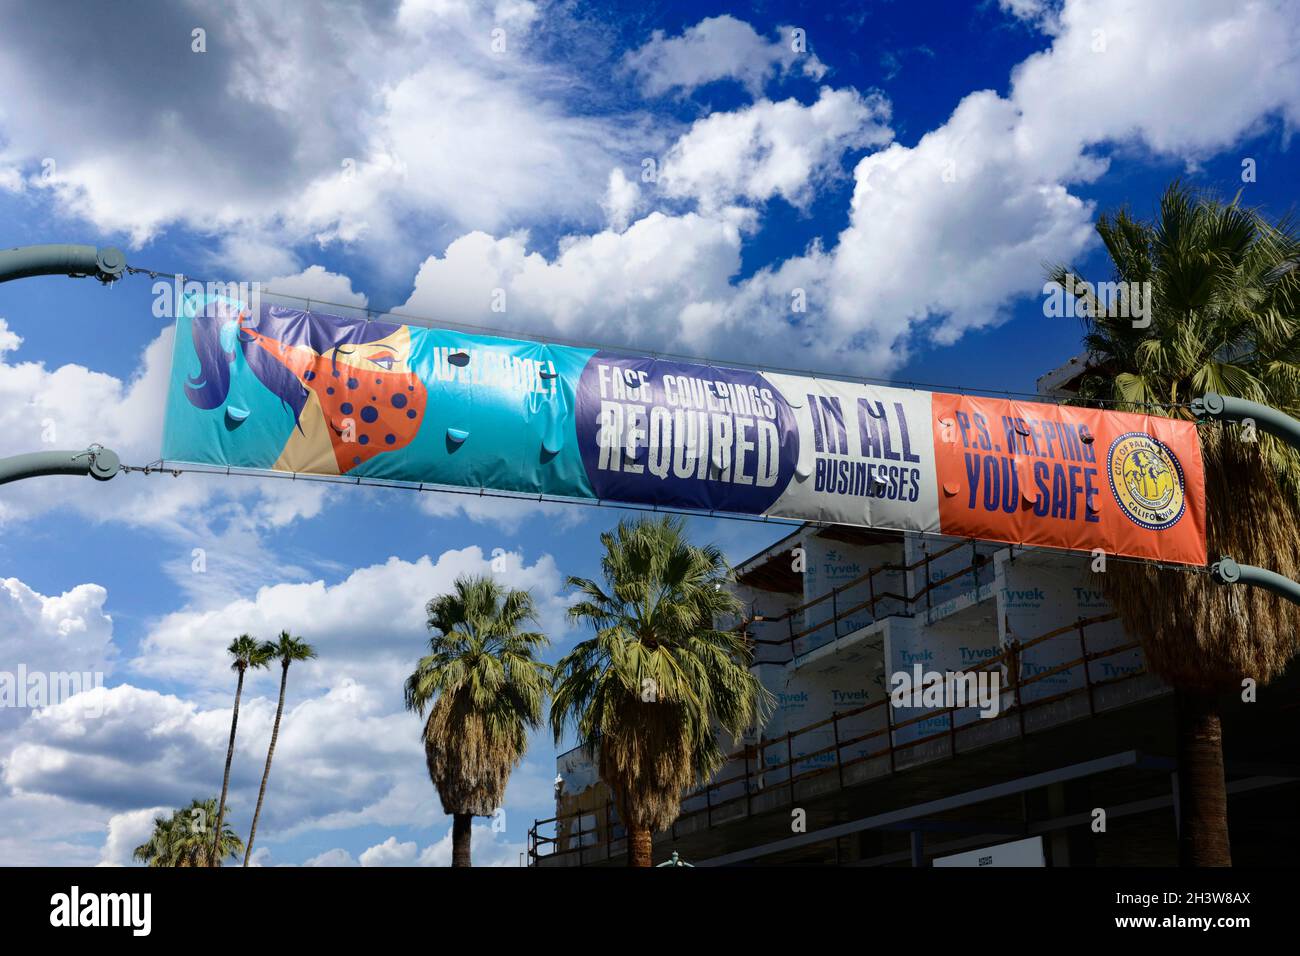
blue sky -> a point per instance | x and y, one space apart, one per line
909 167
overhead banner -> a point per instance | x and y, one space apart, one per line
321 394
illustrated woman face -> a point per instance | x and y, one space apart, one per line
389 354
370 398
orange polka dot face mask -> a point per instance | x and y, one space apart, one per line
370 400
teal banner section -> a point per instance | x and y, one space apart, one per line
312 393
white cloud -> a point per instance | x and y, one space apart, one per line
72 406
1040 13
719 48
348 758
622 196
40 830
956 226
261 856
319 285
390 853
55 647
484 851
339 752
772 149
959 225
66 632
627 287
943 235
348 754
1184 80
114 759
335 857
126 831
300 122
369 627
51 638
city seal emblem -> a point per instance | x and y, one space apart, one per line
1146 480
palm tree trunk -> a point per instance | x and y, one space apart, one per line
640 845
270 752
1202 793
225 782
460 837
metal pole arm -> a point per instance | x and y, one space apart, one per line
1228 571
1268 419
1281 426
98 462
62 259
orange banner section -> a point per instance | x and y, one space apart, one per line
1066 477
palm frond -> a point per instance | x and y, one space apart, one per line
482 688
1223 309
654 686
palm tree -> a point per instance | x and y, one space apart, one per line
483 690
648 693
287 649
162 847
247 652
182 838
1223 318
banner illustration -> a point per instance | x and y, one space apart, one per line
311 393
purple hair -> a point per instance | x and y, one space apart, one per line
215 339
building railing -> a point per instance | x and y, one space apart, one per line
758 778
877 594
